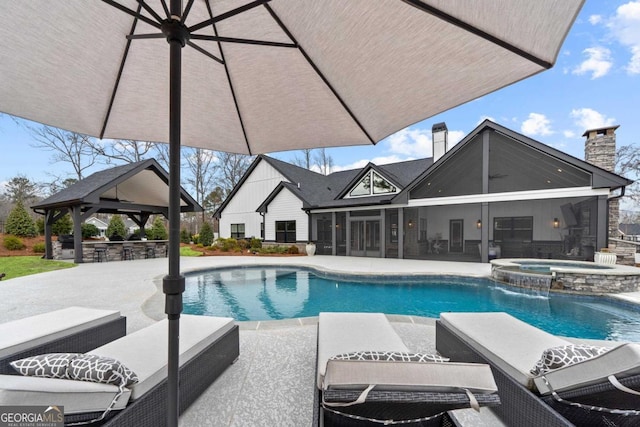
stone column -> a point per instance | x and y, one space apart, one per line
600 150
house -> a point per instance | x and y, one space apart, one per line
497 193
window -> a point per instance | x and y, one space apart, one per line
513 229
285 231
365 187
237 231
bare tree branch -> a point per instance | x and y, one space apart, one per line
69 147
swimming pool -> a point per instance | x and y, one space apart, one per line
281 292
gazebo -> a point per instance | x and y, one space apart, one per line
137 190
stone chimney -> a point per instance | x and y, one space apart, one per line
600 150
440 140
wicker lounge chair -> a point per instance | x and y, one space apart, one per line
366 392
208 345
513 347
73 329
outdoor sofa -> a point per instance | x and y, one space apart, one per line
208 345
367 376
513 348
72 329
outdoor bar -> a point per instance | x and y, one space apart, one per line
104 250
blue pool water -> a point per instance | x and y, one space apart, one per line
282 293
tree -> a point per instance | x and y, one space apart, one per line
213 200
158 230
202 166
628 165
324 161
19 223
123 150
305 160
21 189
206 234
63 225
69 147
89 230
232 168
116 227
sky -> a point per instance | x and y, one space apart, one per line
595 83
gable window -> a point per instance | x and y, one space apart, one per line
285 231
237 231
372 184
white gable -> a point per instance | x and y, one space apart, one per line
286 207
241 209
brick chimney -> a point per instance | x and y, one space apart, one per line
600 150
440 140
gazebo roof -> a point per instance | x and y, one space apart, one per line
135 187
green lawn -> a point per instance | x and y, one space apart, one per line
16 266
187 251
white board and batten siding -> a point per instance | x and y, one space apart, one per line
242 207
286 207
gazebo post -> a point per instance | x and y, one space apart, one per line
77 234
48 245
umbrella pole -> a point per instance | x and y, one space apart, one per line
173 283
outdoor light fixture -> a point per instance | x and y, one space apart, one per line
479 224
556 223
410 223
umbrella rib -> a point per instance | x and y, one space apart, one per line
226 15
478 32
320 74
204 52
233 92
166 8
148 8
243 41
132 13
117 83
146 36
186 11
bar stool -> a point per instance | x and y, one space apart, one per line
127 251
100 253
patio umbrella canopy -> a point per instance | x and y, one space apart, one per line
262 76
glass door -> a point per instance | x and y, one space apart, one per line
456 235
365 238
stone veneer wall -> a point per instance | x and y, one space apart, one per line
596 283
600 150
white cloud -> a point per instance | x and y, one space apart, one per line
411 142
483 118
569 133
536 124
595 19
455 136
598 62
625 28
586 118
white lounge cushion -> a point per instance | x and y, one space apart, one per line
509 343
409 376
621 361
340 333
145 351
22 334
75 396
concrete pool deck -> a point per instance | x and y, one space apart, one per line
272 382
